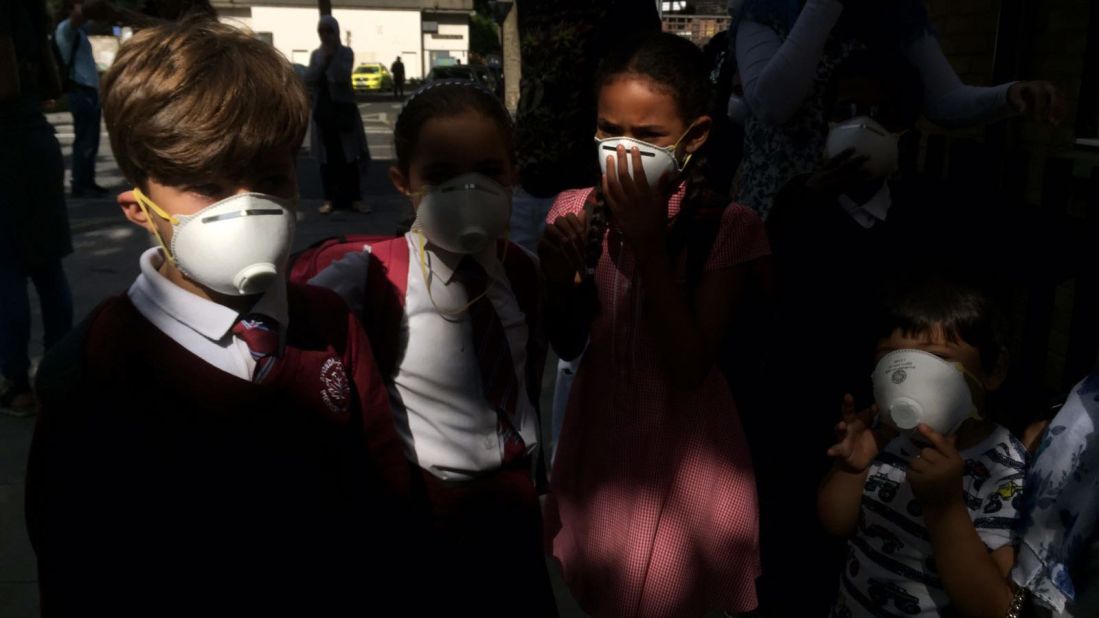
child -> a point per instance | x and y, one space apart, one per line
456 314
652 509
214 442
930 515
830 231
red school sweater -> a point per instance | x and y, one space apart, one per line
159 485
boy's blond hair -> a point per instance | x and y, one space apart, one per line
188 102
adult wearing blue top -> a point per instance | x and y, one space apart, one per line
71 37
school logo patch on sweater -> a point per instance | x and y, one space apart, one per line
337 388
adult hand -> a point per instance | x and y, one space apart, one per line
839 174
936 473
640 211
858 443
561 251
1038 100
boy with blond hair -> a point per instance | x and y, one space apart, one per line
215 441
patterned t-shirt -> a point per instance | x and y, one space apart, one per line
890 569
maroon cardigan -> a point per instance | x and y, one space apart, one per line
159 485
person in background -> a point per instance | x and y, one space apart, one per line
398 77
337 137
787 50
1058 557
34 222
83 78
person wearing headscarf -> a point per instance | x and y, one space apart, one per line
337 138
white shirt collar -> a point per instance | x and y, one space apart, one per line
205 317
873 210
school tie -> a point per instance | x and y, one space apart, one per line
498 381
261 333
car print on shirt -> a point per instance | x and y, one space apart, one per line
890 543
1008 491
883 593
884 486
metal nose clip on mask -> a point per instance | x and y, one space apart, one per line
464 214
655 160
237 246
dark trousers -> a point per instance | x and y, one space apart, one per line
487 548
339 176
398 87
15 311
84 104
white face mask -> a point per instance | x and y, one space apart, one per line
465 214
655 160
237 246
913 387
869 139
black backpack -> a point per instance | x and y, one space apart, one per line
65 69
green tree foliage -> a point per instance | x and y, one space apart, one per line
484 35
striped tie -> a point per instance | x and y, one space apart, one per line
261 333
501 387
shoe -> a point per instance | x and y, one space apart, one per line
361 207
17 401
94 191
326 208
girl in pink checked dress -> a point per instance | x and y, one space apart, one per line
652 511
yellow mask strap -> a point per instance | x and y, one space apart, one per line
421 254
146 205
976 390
675 147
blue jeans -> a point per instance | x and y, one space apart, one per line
84 104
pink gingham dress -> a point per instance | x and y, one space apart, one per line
652 511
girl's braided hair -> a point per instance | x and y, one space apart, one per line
678 66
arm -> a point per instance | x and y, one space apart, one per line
948 101
570 298
839 498
339 68
347 277
975 579
778 75
318 64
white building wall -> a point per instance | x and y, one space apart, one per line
374 35
452 38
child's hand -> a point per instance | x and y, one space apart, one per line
858 444
936 473
561 251
640 211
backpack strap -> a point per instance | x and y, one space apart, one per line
386 285
525 278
